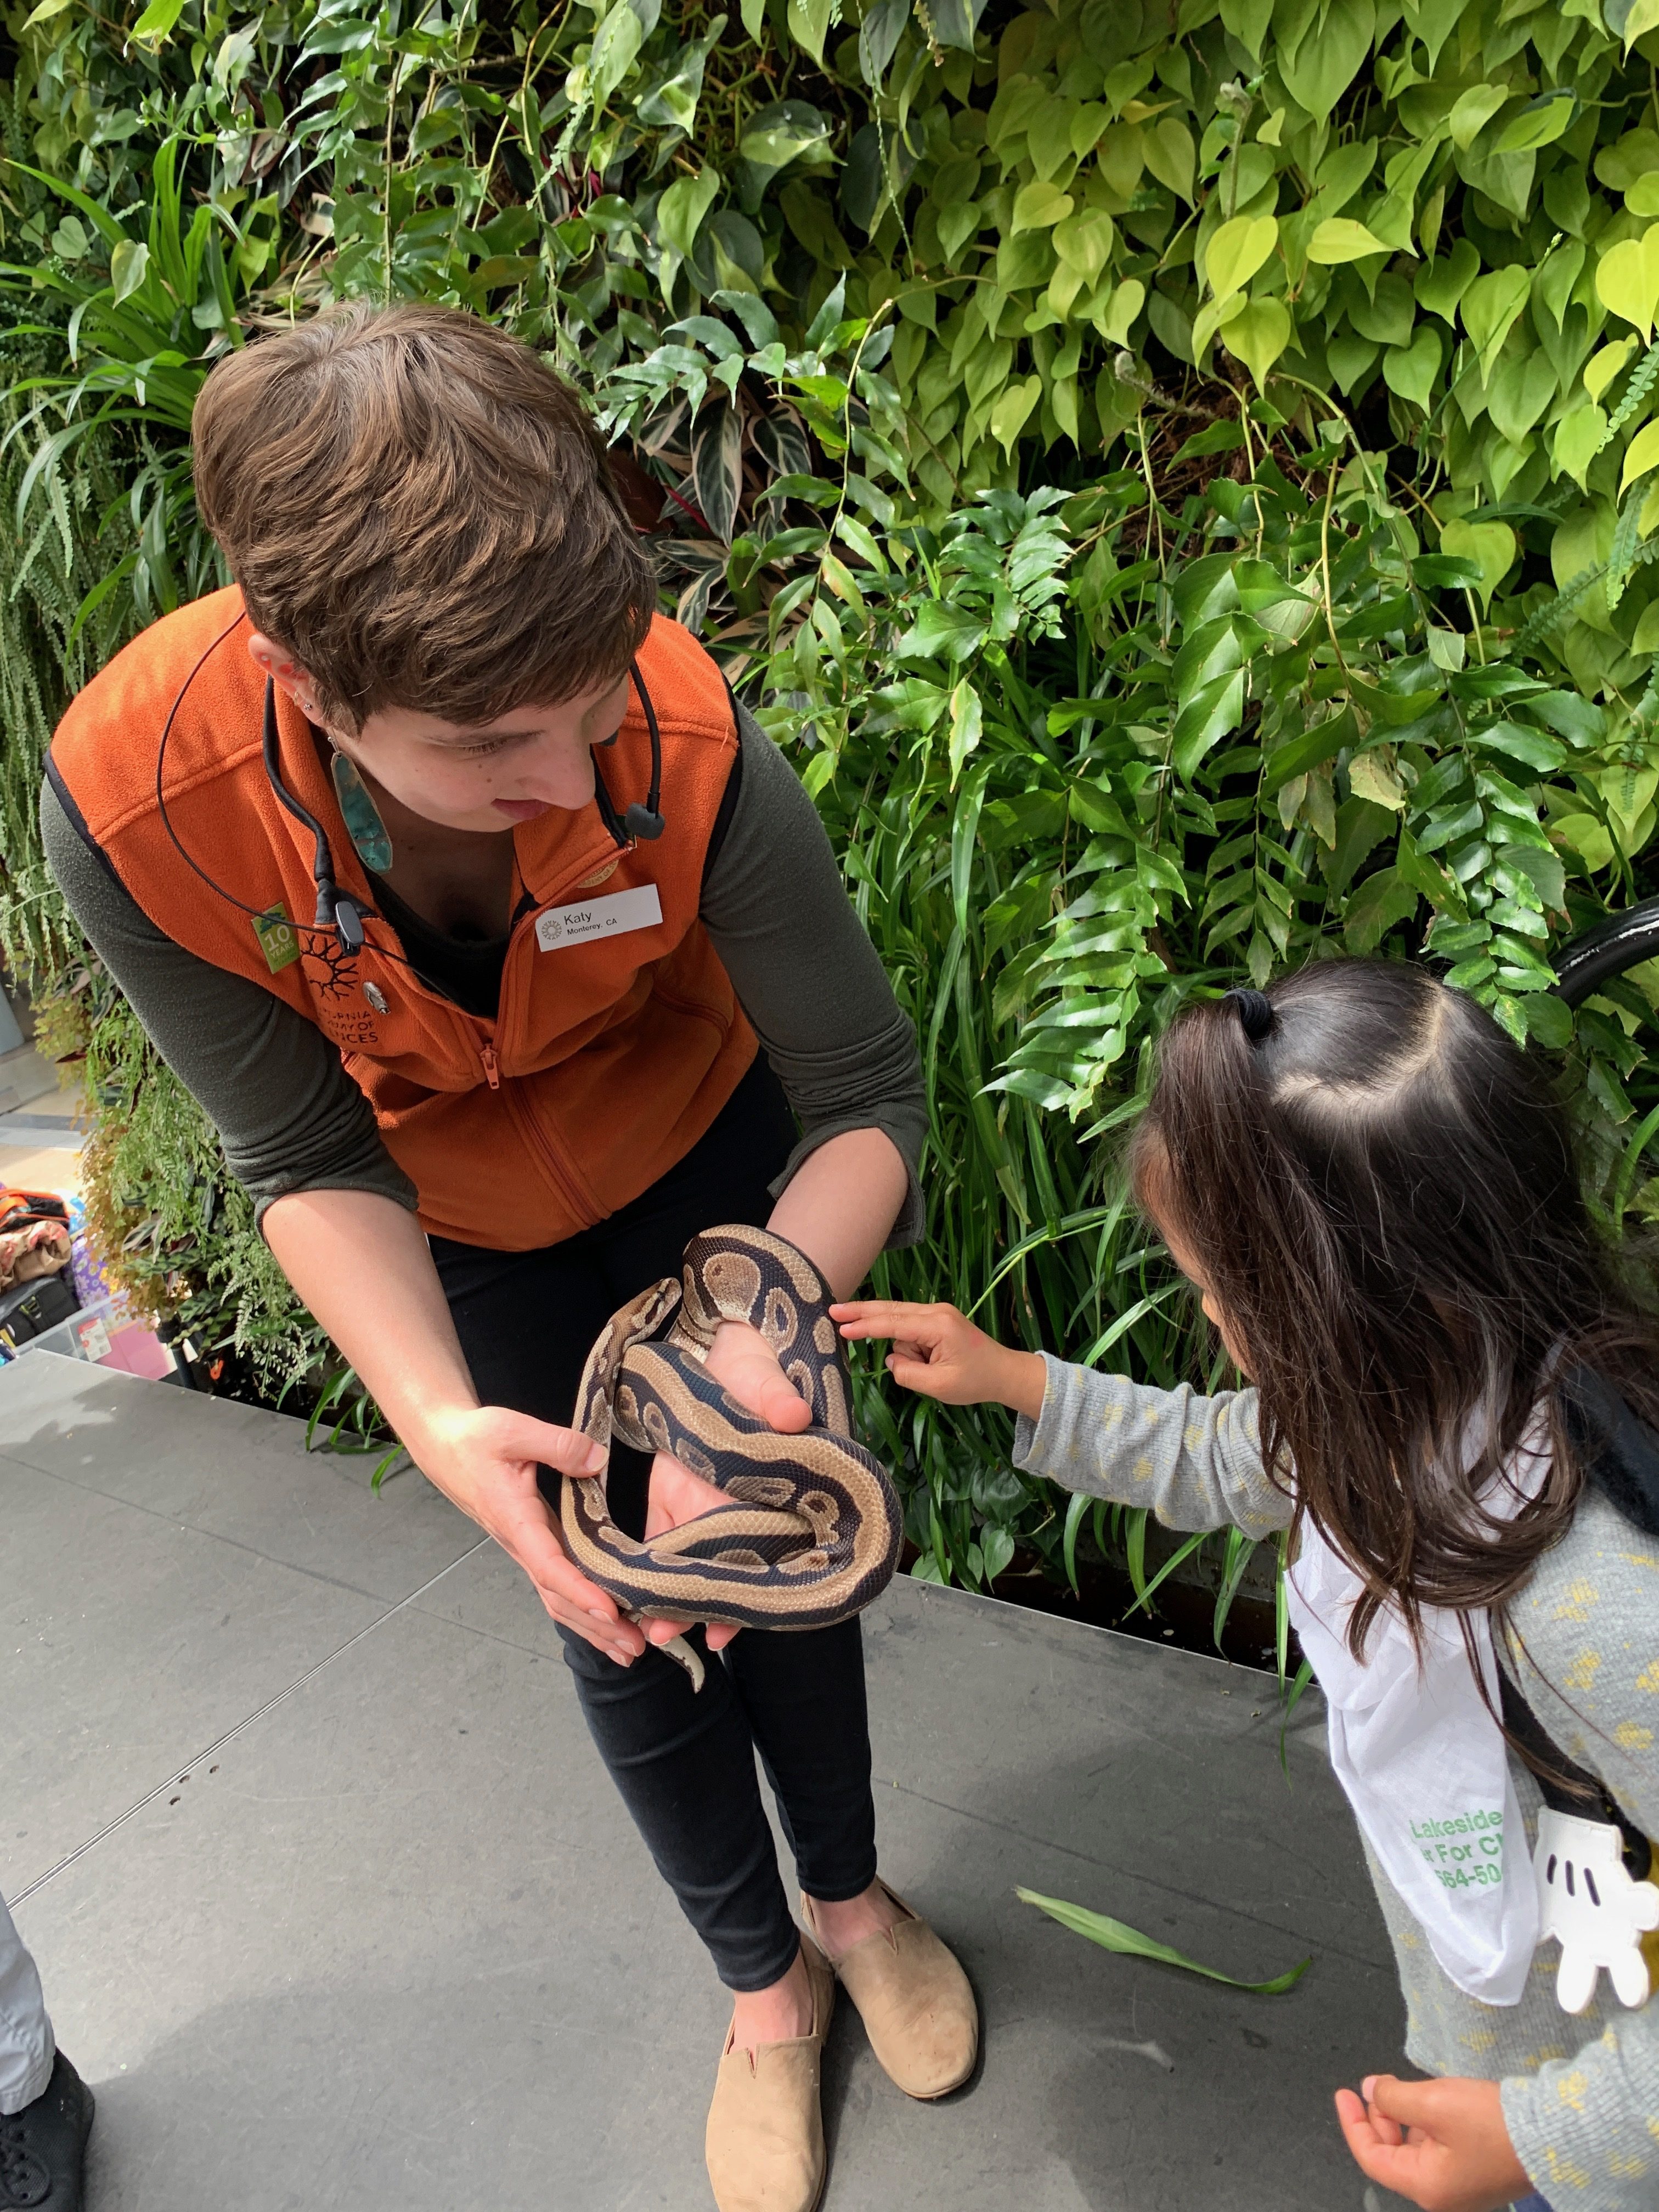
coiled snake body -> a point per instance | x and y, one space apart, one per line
811 1534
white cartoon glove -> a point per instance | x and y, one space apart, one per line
1586 1897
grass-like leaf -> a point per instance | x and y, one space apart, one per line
1117 1935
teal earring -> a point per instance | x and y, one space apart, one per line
362 817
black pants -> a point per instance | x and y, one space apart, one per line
685 1763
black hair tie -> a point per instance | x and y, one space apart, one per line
1255 1010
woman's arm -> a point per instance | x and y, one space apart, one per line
361 1265
1195 1461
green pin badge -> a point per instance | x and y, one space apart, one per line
277 938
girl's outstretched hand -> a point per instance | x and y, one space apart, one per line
1443 2144
938 1351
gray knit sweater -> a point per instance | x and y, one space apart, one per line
1581 2095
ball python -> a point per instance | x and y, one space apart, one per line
811 1534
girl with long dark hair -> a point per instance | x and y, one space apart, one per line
1454 1394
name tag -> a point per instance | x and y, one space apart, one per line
602 917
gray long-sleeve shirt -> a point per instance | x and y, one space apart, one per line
290 1118
1581 2093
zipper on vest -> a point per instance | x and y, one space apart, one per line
492 1067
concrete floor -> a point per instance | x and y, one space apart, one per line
335 1908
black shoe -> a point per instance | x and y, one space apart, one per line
43 2149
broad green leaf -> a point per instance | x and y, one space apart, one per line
1442 284
1490 546
1522 385
1473 110
1237 251
129 263
615 44
1373 777
1540 123
1115 1936
48 8
879 36
1490 308
1335 43
70 240
1380 902
1644 16
808 24
1039 205
153 25
1339 238
1083 241
1411 370
1259 335
1170 155
1012 410
1627 280
967 722
681 209
1603 366
1640 455
1447 649
1579 437
781 133
1123 309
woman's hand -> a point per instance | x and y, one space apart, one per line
1443 2144
742 1362
484 1458
940 1352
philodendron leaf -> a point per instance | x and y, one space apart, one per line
1411 370
1640 455
1237 250
1490 546
1258 335
1627 279
1013 410
1605 364
129 263
1490 308
1339 238
682 207
1579 437
1039 206
1129 1942
1540 123
1473 111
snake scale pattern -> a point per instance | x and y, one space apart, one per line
812 1532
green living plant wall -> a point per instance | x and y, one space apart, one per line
1180 482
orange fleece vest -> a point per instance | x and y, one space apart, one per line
610 1054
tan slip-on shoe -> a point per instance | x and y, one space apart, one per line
764 2144
915 2003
